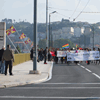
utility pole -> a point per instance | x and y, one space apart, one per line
35 40
50 26
35 36
49 30
51 38
47 23
93 35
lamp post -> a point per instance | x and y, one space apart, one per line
47 23
51 38
50 26
34 71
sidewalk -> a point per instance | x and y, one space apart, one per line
22 76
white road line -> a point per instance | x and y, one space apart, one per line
78 64
42 97
82 66
96 75
88 70
91 71
52 88
67 83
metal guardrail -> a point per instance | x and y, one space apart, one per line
21 58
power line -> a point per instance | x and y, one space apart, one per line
60 13
59 9
90 12
68 17
75 9
81 11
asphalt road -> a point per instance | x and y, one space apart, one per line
73 82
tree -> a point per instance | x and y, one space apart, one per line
42 44
59 43
18 48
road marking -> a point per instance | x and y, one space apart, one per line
52 88
91 71
88 70
50 75
82 66
42 97
96 75
67 83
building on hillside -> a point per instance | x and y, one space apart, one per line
64 33
41 36
56 34
87 31
96 39
77 31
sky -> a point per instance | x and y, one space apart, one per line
23 10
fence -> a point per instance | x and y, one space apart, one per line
21 58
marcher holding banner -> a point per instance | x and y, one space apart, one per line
88 61
76 61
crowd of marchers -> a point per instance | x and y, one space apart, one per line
51 55
7 58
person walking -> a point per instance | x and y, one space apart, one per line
56 58
76 62
8 57
31 53
45 54
2 64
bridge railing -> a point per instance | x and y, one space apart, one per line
21 58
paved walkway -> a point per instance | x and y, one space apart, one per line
22 76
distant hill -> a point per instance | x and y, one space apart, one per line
27 28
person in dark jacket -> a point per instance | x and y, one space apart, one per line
56 58
2 64
31 53
45 54
8 57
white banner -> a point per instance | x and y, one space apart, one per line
83 56
61 53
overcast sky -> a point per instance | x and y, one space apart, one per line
23 10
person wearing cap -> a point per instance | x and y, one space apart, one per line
8 57
2 64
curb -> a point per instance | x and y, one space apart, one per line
2 86
47 78
24 83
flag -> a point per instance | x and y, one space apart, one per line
22 36
65 46
27 41
32 44
80 49
52 53
76 45
8 31
12 29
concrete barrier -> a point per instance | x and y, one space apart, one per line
21 58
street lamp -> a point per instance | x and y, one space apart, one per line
47 23
50 26
35 71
